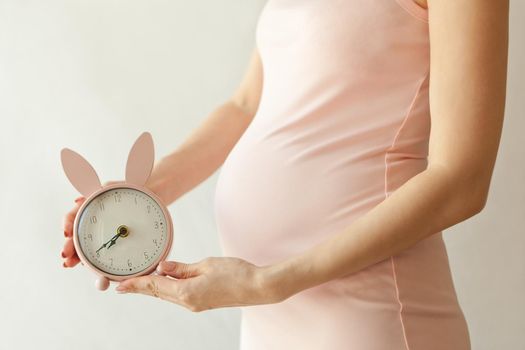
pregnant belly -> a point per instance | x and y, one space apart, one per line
270 205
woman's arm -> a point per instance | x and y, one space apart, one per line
206 148
467 97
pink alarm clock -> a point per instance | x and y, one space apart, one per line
121 230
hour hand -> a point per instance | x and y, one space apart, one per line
112 242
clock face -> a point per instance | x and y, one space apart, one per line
122 231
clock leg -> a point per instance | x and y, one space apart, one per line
102 283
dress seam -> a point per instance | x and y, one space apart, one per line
396 136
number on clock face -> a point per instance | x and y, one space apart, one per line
122 231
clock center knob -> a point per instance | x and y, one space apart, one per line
123 231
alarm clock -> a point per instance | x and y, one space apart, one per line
122 230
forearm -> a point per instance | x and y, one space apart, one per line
200 155
427 203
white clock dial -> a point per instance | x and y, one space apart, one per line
122 231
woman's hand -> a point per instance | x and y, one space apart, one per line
210 283
68 251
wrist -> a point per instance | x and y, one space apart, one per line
277 282
159 187
161 181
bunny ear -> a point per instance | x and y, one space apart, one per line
140 160
79 172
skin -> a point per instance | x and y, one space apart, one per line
469 44
422 3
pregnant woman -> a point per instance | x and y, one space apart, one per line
361 130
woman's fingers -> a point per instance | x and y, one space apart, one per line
113 182
156 286
72 261
178 292
69 248
69 218
68 251
177 269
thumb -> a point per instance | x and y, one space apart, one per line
177 269
107 183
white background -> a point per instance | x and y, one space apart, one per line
92 75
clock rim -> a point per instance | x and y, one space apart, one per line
153 266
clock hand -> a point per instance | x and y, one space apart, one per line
111 241
122 230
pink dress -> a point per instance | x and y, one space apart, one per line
343 122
